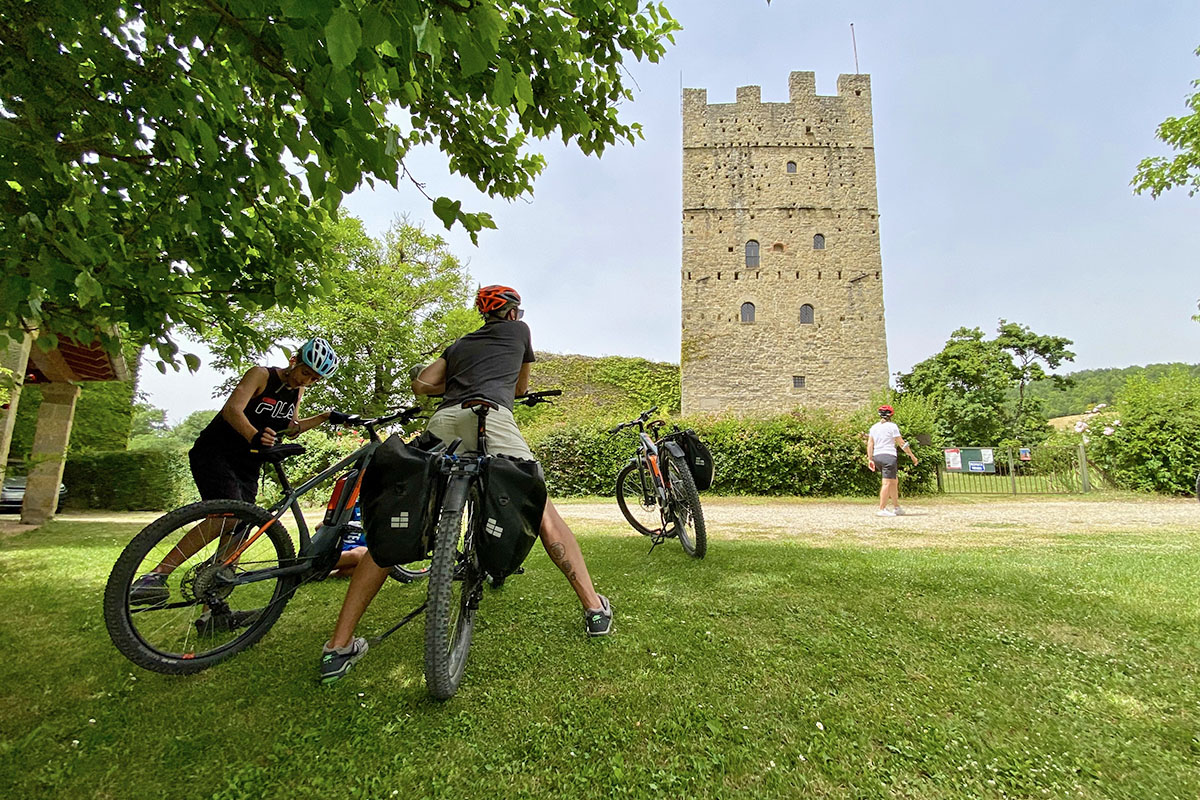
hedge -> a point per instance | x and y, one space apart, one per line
807 453
129 480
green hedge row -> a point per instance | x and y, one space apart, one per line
810 453
129 480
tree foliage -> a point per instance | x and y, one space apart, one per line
1089 387
175 163
395 302
979 386
1157 174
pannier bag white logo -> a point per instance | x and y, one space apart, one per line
400 521
493 528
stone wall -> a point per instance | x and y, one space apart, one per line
781 175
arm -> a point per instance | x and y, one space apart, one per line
523 379
432 379
234 410
903 445
870 452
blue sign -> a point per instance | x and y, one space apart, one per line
975 466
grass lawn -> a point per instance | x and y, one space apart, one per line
1017 668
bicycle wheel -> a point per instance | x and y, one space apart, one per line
410 573
202 612
637 500
685 508
455 586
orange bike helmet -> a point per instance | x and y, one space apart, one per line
886 411
490 299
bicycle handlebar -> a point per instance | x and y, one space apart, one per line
533 398
641 420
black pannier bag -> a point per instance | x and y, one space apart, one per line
399 499
514 497
699 458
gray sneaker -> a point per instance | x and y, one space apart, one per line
336 662
599 621
149 589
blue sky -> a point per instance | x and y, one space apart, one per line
1005 137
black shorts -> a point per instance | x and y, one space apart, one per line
218 478
886 463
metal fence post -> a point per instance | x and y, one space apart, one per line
941 490
1083 470
1012 471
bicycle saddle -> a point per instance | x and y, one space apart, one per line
474 402
281 451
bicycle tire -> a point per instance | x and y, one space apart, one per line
455 581
689 525
409 573
172 637
644 519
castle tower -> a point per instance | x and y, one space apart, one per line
782 281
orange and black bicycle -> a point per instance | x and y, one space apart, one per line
231 567
656 491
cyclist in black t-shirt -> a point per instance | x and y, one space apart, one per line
492 362
265 404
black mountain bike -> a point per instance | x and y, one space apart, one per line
456 578
656 491
233 566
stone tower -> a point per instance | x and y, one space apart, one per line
782 281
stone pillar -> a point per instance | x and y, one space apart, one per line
15 359
49 451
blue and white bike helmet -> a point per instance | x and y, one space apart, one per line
318 355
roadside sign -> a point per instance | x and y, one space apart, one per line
976 466
1024 454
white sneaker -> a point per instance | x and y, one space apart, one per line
883 512
900 511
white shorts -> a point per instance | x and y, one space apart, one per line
503 436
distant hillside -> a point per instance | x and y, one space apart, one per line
1094 386
607 388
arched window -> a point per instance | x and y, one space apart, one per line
747 312
751 253
791 166
819 242
806 314
777 247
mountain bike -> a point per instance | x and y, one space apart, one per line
232 565
656 492
456 577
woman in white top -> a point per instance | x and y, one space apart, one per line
882 441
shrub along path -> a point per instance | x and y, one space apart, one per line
1041 660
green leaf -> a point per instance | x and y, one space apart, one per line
429 39
523 89
343 36
447 210
192 360
502 85
302 9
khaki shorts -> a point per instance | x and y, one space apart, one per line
503 436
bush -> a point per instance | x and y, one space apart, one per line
125 480
1146 441
808 453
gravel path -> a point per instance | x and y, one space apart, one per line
944 521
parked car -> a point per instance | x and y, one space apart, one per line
12 494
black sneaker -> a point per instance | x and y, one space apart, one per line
210 624
149 589
598 621
337 662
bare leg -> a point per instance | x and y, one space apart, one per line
563 548
191 543
347 561
895 492
364 585
883 494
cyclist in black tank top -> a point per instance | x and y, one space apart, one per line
265 404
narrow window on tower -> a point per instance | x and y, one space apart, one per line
791 166
747 312
806 314
819 242
797 381
751 253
